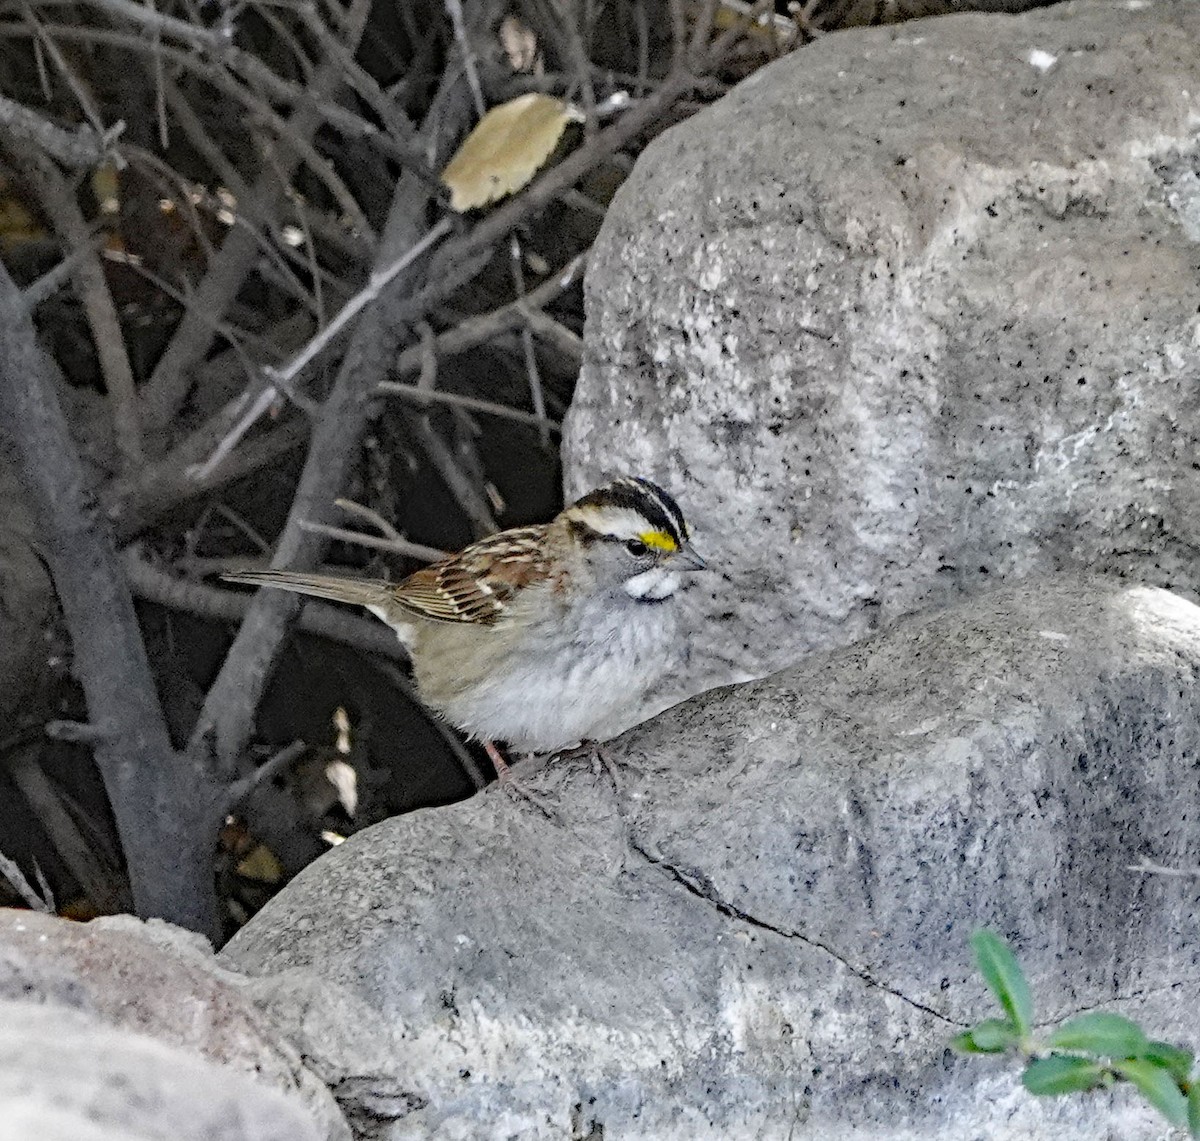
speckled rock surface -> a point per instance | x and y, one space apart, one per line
912 311
159 982
763 932
67 1076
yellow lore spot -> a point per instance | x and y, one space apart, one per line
659 541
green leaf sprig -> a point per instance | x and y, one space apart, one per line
1091 1051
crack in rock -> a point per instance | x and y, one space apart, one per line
702 888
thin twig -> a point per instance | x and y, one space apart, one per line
369 292
226 512
642 21
472 501
370 515
398 546
53 280
99 881
427 377
583 69
78 732
703 28
44 887
259 407
153 584
415 395
79 89
454 8
268 770
531 368
80 149
11 872
59 203
546 328
477 330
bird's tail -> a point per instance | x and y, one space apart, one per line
371 593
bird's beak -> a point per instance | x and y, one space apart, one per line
686 558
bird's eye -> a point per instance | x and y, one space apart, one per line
636 547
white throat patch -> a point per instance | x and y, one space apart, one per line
653 585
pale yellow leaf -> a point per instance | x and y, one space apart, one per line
505 150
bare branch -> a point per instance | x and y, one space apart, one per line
80 149
415 395
378 281
100 882
56 199
362 511
156 585
454 8
531 369
53 280
227 719
14 875
170 380
165 811
397 545
478 330
473 502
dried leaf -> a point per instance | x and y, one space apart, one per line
261 865
345 781
505 150
519 43
341 722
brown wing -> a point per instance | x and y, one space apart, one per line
478 583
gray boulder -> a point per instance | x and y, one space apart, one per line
142 1011
763 931
910 312
67 1076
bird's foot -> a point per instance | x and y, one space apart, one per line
515 789
595 752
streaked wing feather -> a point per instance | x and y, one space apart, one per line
477 584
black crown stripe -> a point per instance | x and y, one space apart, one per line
647 499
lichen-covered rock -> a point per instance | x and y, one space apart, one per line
763 932
910 312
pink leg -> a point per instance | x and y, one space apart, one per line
503 772
510 784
